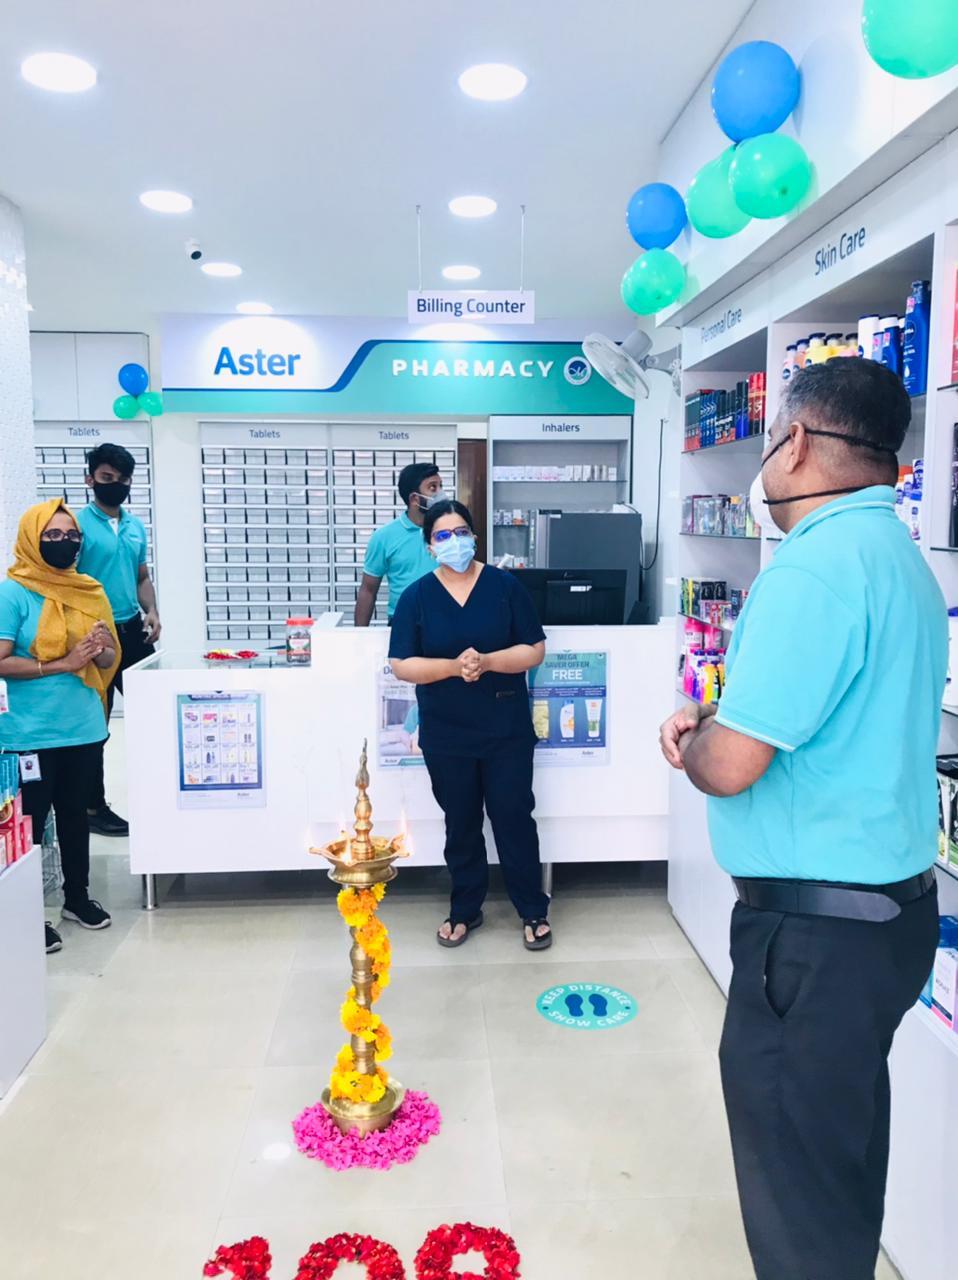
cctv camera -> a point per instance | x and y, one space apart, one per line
193 250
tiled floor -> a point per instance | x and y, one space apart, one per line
155 1122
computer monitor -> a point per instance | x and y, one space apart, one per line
576 597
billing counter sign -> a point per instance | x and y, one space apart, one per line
587 1006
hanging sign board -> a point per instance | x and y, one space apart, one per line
496 306
354 366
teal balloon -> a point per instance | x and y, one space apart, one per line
914 40
709 200
652 282
151 402
126 407
769 175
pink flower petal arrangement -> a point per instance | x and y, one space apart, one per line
416 1121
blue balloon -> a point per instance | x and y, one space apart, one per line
756 89
656 215
134 379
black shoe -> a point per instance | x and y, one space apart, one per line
54 941
87 913
107 823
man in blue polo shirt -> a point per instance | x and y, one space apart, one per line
820 767
397 551
114 552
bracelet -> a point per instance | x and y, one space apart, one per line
40 666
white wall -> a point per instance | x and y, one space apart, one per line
663 403
858 124
178 517
17 468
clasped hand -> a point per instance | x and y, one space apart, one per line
90 647
471 665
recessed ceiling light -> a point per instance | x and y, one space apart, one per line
461 273
221 269
493 81
166 201
58 72
472 206
254 308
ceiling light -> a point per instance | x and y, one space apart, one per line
166 201
461 273
58 72
493 81
221 269
254 308
472 206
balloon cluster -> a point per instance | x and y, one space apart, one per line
135 380
912 41
764 174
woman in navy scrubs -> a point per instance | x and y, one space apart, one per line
466 635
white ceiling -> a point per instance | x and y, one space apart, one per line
307 132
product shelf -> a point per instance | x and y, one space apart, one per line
727 444
952 550
925 1016
726 537
722 626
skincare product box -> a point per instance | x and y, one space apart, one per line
945 985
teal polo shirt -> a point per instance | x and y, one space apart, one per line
839 661
52 711
397 552
113 556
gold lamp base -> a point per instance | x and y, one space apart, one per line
367 1117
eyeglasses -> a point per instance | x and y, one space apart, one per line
58 535
443 535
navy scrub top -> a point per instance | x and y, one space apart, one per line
456 718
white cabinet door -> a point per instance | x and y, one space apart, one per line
54 362
99 358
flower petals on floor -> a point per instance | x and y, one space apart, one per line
416 1121
434 1259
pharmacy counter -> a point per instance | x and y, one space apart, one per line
244 768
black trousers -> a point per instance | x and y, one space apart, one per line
134 647
813 1006
65 785
502 783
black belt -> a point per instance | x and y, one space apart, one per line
874 902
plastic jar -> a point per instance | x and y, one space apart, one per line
299 641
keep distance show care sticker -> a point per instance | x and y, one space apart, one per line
587 1006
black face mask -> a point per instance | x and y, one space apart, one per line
112 493
858 441
59 555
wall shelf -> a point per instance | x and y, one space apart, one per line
727 444
721 626
726 537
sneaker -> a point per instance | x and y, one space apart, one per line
88 913
54 941
107 823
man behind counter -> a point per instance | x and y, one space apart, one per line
114 553
396 551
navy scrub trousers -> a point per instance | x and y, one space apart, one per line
477 739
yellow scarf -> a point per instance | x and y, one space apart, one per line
73 601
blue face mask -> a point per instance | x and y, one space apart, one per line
456 553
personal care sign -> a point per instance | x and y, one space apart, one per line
501 306
308 364
569 696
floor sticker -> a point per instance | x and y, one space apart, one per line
587 1006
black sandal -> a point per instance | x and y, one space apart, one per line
538 943
457 942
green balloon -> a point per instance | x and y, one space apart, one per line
126 407
769 175
652 282
914 40
151 402
711 206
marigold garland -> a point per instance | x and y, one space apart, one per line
358 908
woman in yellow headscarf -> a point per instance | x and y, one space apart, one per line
58 652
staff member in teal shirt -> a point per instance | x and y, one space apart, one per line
820 767
396 551
114 552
